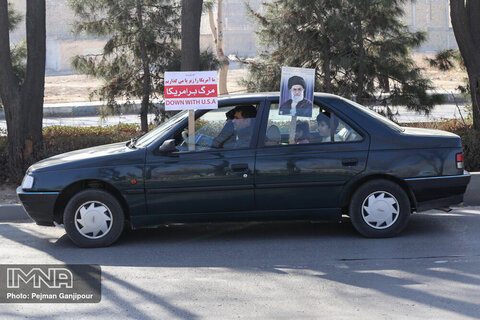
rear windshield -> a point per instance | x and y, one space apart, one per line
387 122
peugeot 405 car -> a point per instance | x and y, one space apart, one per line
247 161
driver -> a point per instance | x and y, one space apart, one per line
243 120
226 137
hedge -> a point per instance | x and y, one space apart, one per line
60 139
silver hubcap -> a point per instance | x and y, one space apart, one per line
93 220
380 210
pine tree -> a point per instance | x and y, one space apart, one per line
142 44
19 52
359 48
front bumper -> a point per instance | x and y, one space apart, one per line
437 192
39 205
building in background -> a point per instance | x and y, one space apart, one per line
432 16
62 45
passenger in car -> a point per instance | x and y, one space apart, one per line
273 136
324 129
243 121
302 132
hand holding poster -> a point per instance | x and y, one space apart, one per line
191 90
296 91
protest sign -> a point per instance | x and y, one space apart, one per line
191 90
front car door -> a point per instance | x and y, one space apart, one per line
213 181
303 163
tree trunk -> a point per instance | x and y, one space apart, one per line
474 81
360 72
224 63
191 15
326 69
218 41
146 71
465 16
23 103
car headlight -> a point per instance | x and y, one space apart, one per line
27 182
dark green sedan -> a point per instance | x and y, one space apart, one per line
246 161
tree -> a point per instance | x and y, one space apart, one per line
141 46
359 48
19 51
217 34
23 100
465 16
191 18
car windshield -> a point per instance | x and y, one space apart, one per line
161 129
376 115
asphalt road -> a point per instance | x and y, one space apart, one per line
267 271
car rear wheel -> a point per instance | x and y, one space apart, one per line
379 209
93 218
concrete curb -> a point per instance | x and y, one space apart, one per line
12 212
472 195
86 109
15 212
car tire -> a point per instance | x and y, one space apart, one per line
379 209
93 218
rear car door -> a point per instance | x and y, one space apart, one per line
300 169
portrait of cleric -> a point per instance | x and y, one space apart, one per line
298 104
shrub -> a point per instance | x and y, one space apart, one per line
61 139
471 148
470 138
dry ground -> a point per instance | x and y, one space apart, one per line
441 80
7 194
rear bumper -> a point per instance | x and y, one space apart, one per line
39 205
436 192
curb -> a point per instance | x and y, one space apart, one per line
12 212
86 109
472 195
15 212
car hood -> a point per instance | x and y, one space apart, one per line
106 155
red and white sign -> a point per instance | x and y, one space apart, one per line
191 90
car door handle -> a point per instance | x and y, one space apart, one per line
239 167
350 162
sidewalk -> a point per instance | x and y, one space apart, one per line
15 212
85 109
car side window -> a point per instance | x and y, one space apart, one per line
322 127
228 127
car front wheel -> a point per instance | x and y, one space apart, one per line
93 218
379 209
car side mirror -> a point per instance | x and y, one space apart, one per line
168 146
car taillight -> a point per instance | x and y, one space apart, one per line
459 160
